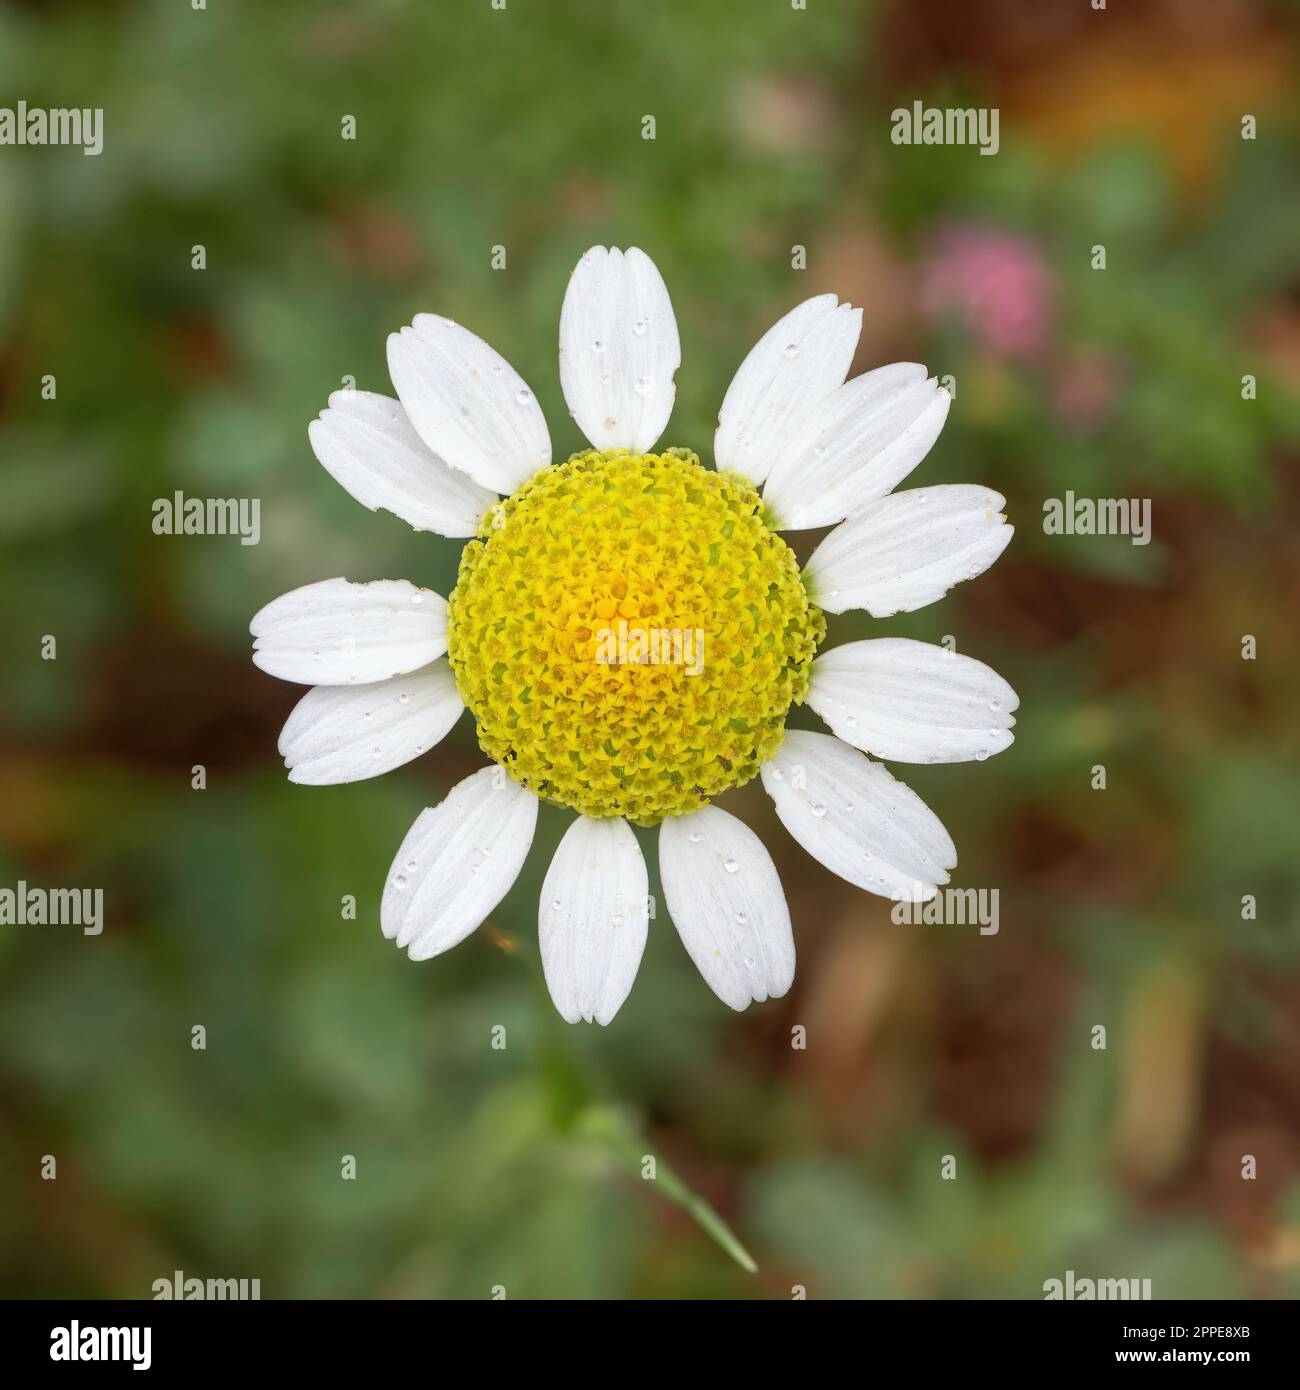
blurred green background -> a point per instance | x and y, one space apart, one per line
522 1167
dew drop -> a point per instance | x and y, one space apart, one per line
598 346
643 386
376 752
778 775
818 810
730 865
497 369
639 328
400 881
995 705
524 396
417 597
403 698
412 865
616 920
792 350
695 837
742 918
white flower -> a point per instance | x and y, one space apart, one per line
630 631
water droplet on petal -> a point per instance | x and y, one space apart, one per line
400 881
818 810
742 918
403 698
598 346
792 350
730 865
524 396
695 837
639 328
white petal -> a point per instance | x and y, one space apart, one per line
619 349
457 862
912 701
366 443
908 549
851 815
725 898
592 917
468 403
800 360
338 633
856 445
343 733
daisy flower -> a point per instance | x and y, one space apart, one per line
629 631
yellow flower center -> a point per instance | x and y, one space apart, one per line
629 633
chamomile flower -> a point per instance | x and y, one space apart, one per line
629 632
